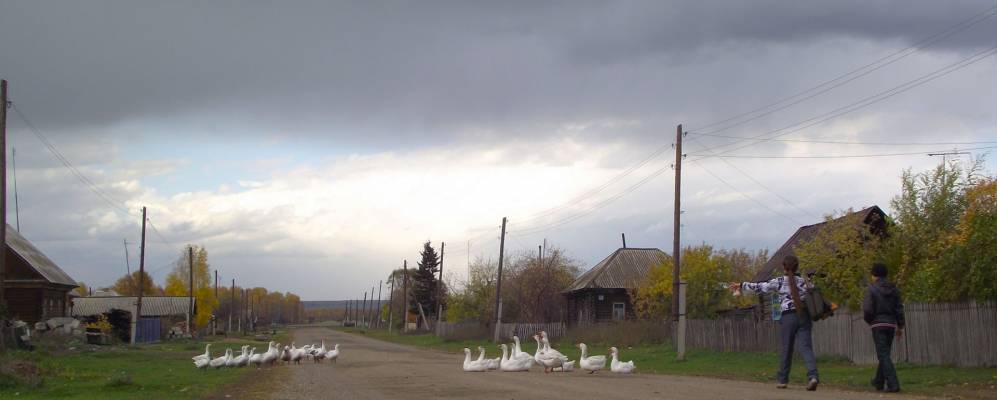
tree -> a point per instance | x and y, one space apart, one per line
841 254
534 287
127 285
704 270
424 288
177 283
82 289
476 301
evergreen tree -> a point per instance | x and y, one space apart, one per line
424 281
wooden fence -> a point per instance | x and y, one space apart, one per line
962 334
525 331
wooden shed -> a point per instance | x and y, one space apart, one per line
36 289
603 293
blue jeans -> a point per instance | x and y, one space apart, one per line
886 374
794 329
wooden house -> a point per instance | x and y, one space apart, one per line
35 288
873 217
603 293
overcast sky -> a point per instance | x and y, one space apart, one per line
313 146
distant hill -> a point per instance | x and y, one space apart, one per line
334 304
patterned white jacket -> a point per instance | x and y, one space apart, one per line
779 285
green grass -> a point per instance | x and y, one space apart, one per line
761 367
153 371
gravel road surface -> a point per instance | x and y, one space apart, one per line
373 369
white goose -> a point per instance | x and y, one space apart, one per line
514 364
472 366
245 361
319 353
270 356
590 364
255 359
490 363
220 361
517 351
296 354
618 366
333 354
205 356
547 357
232 362
285 354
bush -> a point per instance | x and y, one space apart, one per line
19 373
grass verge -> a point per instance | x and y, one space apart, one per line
155 371
953 382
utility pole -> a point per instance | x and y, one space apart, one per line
439 290
141 280
405 296
128 266
231 305
678 289
624 236
498 286
391 303
370 313
190 292
676 246
540 255
214 315
954 152
3 212
17 207
377 324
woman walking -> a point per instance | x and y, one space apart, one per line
794 323
883 310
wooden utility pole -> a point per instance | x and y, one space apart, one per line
498 286
377 323
214 315
141 280
370 312
363 310
439 290
17 206
405 296
391 303
676 246
624 236
128 266
3 212
231 305
190 281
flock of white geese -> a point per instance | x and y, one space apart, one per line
550 359
273 355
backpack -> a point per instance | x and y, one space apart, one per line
817 305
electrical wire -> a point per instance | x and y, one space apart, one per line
848 142
849 155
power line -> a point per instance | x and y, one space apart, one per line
849 155
853 74
847 142
745 195
867 101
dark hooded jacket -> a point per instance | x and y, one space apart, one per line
883 304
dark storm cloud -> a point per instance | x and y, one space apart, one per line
368 70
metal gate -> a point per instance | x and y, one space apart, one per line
148 330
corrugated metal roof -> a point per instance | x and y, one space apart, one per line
808 233
36 259
624 269
152 306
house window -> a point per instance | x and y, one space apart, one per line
601 298
619 311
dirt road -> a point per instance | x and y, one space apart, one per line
372 369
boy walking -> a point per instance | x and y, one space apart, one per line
794 324
883 310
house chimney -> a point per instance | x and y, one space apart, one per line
624 235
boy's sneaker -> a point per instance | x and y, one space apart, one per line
780 386
812 384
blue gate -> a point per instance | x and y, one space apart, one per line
148 330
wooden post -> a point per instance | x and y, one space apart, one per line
377 321
405 296
141 280
214 315
680 337
231 305
439 290
3 212
498 286
624 236
370 312
676 244
363 310
190 292
391 303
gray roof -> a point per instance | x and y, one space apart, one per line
152 306
624 269
36 259
869 216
